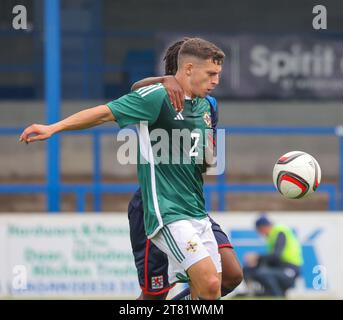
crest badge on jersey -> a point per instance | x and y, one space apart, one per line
207 119
192 246
157 282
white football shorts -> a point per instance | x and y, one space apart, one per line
186 242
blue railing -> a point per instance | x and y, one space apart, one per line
221 187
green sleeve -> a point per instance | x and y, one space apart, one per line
143 104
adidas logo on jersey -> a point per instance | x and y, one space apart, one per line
179 116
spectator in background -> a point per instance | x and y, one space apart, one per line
276 271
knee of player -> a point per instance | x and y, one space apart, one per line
212 288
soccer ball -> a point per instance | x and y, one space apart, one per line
296 175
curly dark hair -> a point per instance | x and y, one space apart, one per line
171 57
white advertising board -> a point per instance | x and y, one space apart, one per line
74 255
65 256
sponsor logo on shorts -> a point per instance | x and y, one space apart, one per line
157 282
192 246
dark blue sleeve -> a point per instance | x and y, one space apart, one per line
275 256
214 114
279 244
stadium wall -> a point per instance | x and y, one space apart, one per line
244 154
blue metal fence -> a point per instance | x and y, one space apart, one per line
52 61
220 188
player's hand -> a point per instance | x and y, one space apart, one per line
175 92
36 132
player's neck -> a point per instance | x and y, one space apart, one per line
184 85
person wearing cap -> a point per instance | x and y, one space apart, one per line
277 270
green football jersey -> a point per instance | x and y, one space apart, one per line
171 147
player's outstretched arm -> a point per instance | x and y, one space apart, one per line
81 120
174 90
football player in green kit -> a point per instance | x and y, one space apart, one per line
175 218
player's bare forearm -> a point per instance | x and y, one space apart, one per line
146 82
173 88
84 119
81 120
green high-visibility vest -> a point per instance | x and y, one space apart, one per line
292 252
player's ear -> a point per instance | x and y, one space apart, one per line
189 68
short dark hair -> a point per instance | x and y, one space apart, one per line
202 49
171 57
